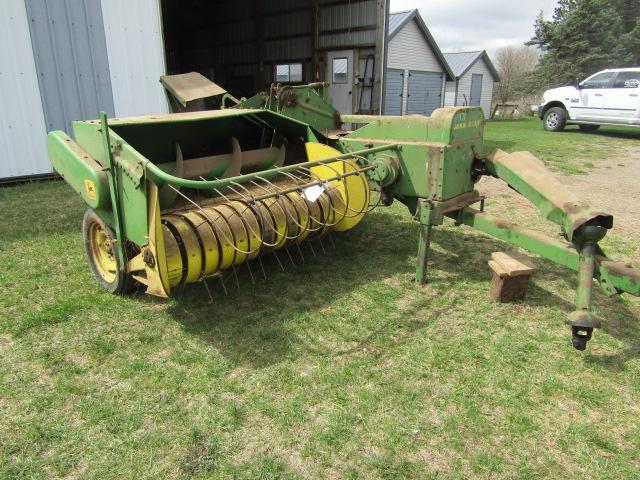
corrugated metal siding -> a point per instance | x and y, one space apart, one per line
298 46
409 49
136 56
450 94
424 92
71 60
22 126
345 16
282 6
393 97
287 49
464 86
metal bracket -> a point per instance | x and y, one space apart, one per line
135 171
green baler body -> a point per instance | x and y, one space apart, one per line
430 164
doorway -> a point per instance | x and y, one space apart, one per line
340 78
476 90
424 92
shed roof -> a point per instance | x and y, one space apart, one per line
461 62
397 20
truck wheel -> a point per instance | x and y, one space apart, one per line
555 119
99 240
588 128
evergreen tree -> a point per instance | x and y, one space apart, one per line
632 39
629 13
583 37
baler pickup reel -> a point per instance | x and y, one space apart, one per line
176 199
251 215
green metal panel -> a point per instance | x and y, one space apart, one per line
455 172
305 103
79 169
88 135
437 151
130 191
133 192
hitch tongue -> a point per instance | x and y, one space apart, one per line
582 320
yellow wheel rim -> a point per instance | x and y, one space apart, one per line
354 189
102 252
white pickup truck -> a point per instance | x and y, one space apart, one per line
610 97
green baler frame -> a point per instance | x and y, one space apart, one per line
430 164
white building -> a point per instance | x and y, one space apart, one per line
65 60
415 69
475 76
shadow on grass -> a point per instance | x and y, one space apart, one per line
253 325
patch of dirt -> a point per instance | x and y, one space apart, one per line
613 186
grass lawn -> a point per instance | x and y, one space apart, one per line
570 151
338 368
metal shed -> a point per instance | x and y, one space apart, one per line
415 70
475 76
245 45
69 59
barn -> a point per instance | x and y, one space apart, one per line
65 60
475 76
416 71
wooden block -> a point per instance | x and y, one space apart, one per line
509 289
498 269
511 273
512 263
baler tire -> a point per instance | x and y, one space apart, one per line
555 119
118 282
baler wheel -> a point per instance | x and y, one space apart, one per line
99 241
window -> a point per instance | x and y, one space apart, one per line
289 72
295 72
340 70
601 80
627 80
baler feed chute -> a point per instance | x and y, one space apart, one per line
175 199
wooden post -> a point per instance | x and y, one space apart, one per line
511 273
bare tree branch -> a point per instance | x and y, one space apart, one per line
512 63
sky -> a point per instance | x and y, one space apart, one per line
462 25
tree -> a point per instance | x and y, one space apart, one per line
583 37
630 15
628 12
512 64
632 39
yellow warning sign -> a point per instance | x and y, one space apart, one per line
90 189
